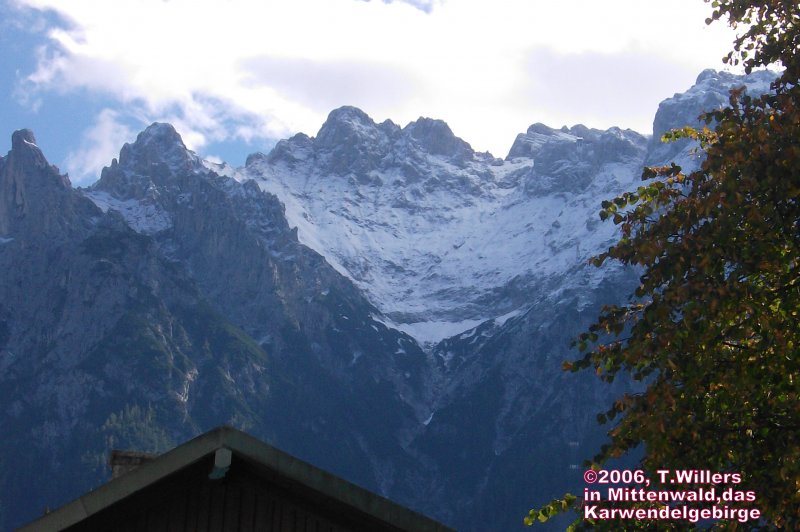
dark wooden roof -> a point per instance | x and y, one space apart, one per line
261 488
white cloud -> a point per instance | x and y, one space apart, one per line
258 69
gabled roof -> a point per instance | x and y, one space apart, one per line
319 484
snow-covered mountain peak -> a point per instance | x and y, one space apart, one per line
541 138
150 173
529 143
347 125
566 160
709 79
287 151
710 92
441 238
349 143
153 161
159 151
436 137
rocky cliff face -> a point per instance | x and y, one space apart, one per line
33 194
381 301
236 244
101 342
167 300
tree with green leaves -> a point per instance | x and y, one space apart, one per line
713 330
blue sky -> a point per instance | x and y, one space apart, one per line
234 76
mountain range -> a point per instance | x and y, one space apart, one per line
381 301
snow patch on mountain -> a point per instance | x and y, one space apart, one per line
429 333
220 168
142 216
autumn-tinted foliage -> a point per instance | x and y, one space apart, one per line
713 329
